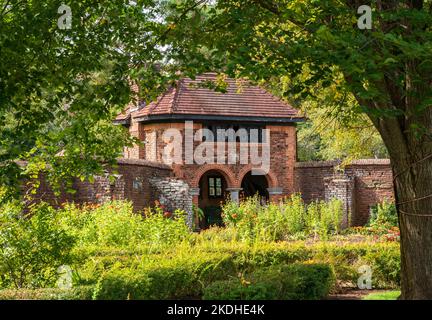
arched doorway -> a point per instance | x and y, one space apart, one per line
213 193
255 184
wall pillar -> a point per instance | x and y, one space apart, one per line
234 194
275 193
174 194
194 192
341 187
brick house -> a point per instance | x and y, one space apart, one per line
260 125
182 159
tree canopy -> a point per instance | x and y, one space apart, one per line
60 88
335 127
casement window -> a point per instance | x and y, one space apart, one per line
242 133
215 187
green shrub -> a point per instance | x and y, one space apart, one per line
288 282
345 258
236 290
384 214
288 219
115 224
385 265
166 277
382 258
32 246
324 218
183 271
293 209
215 235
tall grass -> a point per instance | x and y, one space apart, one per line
288 219
115 224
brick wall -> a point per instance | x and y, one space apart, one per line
136 175
132 182
372 182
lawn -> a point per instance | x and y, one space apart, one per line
386 295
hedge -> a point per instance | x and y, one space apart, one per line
173 278
292 282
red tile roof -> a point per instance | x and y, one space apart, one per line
188 99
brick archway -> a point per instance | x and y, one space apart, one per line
270 176
223 169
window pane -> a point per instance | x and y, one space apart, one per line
218 182
211 182
262 136
219 191
211 191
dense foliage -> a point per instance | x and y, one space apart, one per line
60 88
384 215
288 219
117 254
115 224
291 282
338 131
32 246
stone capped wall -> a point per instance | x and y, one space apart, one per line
131 182
371 183
136 175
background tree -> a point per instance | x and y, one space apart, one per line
61 88
336 127
388 70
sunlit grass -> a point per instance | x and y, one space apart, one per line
386 295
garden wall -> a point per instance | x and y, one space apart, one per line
132 182
139 181
360 185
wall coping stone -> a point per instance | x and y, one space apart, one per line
275 191
234 189
142 162
315 164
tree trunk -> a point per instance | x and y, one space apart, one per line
415 221
411 157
